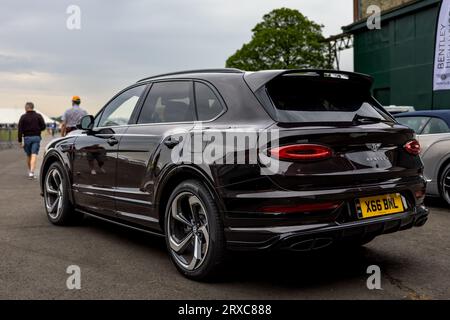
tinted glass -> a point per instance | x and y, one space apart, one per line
415 123
321 99
208 105
118 112
168 102
435 125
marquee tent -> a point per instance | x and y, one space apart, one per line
10 116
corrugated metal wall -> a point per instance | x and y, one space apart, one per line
400 58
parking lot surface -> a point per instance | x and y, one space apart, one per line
117 263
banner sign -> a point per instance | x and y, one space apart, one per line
441 75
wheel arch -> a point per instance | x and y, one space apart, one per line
440 171
173 178
435 158
49 159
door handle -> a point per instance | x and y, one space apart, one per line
171 143
112 141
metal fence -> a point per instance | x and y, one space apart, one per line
8 136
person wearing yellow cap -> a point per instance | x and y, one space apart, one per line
71 117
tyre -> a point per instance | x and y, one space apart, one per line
194 231
59 209
444 184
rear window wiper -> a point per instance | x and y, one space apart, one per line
367 119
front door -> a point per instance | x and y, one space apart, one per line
96 153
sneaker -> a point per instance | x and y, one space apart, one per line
31 175
93 172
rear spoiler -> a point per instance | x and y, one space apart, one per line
256 80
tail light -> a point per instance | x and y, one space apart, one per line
307 207
412 147
301 152
419 194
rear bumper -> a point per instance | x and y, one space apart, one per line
316 236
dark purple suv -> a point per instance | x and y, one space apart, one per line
218 160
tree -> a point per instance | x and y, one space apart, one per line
285 39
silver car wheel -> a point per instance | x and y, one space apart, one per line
53 193
446 186
188 231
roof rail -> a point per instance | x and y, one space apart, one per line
221 70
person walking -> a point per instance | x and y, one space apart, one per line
31 124
53 128
71 117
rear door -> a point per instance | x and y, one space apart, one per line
146 148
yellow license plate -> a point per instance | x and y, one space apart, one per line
381 205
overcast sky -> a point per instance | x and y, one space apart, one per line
119 42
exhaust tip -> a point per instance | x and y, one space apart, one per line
311 244
421 221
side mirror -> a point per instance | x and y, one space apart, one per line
86 123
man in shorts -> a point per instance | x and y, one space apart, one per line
31 124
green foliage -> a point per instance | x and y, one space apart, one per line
285 39
6 136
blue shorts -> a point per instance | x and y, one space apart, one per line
31 145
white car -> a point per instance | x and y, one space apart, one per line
433 132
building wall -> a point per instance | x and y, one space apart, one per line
400 58
362 5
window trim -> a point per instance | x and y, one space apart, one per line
136 107
150 86
219 99
192 80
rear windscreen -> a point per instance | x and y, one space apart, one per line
321 99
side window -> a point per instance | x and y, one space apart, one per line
168 102
415 123
435 125
118 112
208 105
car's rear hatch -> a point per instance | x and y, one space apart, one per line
332 133
363 154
